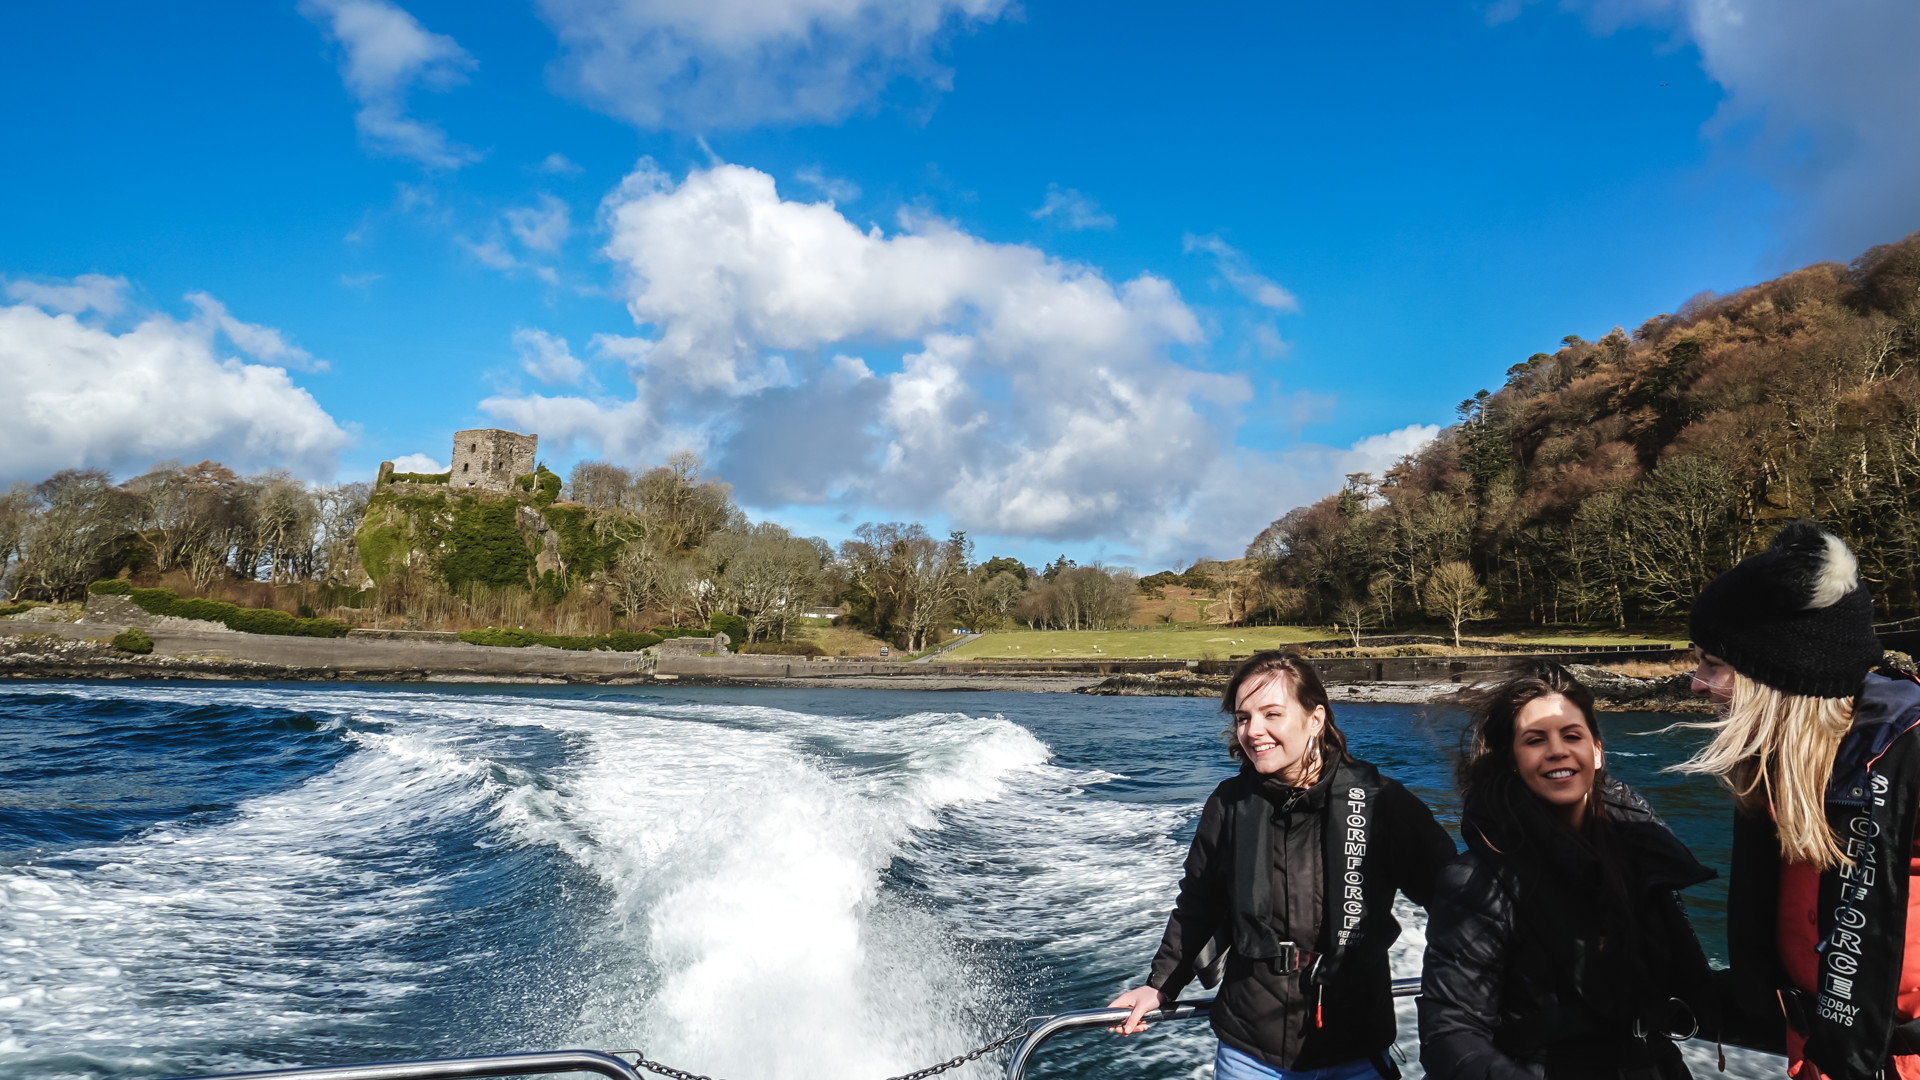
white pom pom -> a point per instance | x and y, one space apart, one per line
1839 574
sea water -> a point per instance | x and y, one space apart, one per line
752 884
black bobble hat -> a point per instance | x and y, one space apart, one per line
1795 617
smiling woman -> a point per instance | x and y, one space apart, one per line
1607 973
1286 901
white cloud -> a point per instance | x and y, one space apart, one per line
631 351
557 164
385 52
260 342
1232 265
79 395
1069 209
539 231
1032 395
722 63
417 463
88 292
833 187
543 227
546 357
1237 496
1831 89
1268 342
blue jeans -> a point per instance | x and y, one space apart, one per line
1231 1064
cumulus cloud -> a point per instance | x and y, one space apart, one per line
88 292
727 63
1017 393
1244 491
558 164
523 238
833 187
80 395
1233 266
546 357
1069 209
260 342
417 463
541 227
385 52
1831 89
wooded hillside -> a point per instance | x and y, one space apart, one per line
1606 482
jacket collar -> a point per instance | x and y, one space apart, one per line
1883 710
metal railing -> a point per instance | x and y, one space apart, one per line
1044 1028
470 1068
1040 1029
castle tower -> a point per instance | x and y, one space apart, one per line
490 458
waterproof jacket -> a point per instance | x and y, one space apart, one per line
1318 868
1871 804
1539 965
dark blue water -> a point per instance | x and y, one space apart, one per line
755 884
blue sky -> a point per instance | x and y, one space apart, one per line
1118 280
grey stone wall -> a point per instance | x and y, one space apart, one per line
489 458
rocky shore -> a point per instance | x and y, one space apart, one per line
80 650
1612 690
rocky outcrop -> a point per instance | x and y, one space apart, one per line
1171 684
107 610
49 613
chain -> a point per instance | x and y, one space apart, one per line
931 1070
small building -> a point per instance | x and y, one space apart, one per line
490 459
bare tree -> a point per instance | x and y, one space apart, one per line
1453 593
597 483
678 508
770 578
18 508
1357 614
70 542
1380 589
283 520
339 509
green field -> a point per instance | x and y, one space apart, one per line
1222 643
1203 643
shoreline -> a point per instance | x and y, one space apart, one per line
79 651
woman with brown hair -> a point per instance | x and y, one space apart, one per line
1287 898
1823 761
1557 945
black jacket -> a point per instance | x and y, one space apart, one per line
1539 963
1871 805
1342 1010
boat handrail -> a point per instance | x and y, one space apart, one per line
1039 1030
466 1068
1042 1028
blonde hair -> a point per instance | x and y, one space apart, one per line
1775 751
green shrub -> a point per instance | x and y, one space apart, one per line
133 641
525 483
549 482
13 609
783 648
485 545
233 616
419 478
733 626
111 587
630 641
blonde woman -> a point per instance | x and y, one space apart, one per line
1823 761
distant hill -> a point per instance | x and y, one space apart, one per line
1607 481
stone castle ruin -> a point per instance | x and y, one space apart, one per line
490 459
